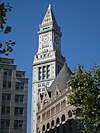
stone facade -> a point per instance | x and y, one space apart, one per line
48 60
13 98
55 116
51 112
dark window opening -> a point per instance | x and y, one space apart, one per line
48 125
63 118
43 128
69 113
57 121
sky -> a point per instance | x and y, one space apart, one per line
80 26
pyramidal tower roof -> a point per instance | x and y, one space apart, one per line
61 79
49 18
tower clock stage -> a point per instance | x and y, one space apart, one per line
48 61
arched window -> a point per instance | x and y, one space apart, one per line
63 118
52 123
43 128
57 93
48 126
57 121
69 113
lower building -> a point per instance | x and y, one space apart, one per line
13 98
55 114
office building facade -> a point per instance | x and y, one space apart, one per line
13 98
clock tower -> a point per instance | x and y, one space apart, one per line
48 60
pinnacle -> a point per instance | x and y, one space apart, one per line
49 6
49 17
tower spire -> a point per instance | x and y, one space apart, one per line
49 6
49 18
48 60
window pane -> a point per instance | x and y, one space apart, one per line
19 98
6 96
48 71
18 124
19 86
5 122
18 111
40 73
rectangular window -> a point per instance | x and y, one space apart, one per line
19 98
5 110
39 90
39 85
9 84
48 113
63 104
5 123
43 116
6 96
18 111
44 72
58 107
43 89
43 84
52 111
7 72
39 73
6 84
19 86
48 71
18 124
38 118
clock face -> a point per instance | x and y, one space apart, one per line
45 38
56 40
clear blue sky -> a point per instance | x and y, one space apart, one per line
80 25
